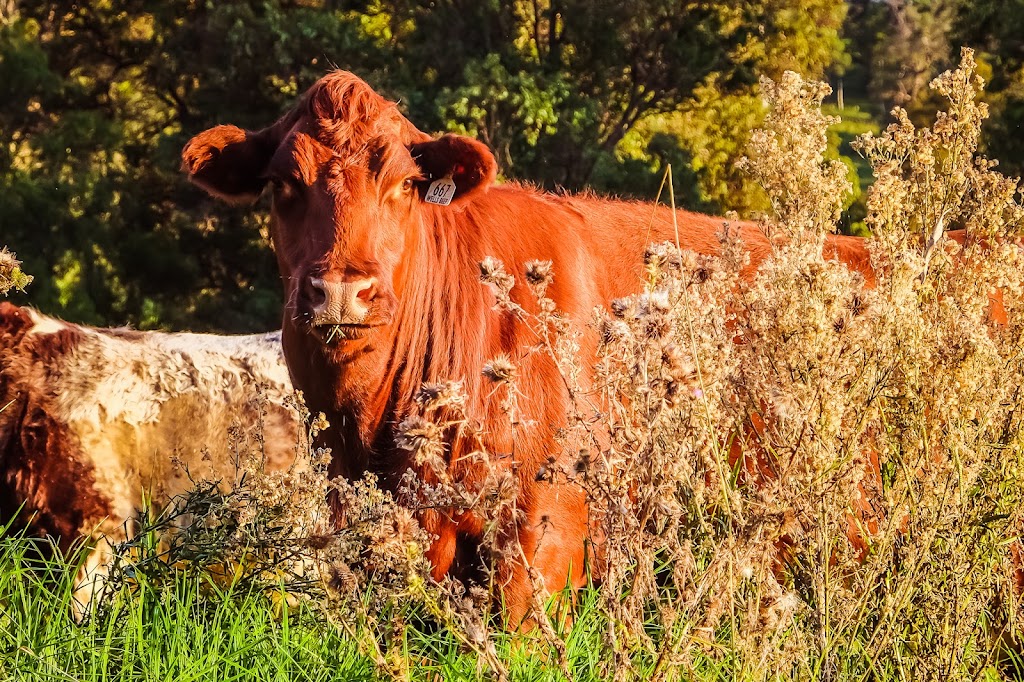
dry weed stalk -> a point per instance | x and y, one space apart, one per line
804 471
893 408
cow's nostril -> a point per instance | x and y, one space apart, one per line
367 291
317 293
333 303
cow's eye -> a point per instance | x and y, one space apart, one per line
407 185
283 189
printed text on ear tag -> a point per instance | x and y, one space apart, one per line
441 192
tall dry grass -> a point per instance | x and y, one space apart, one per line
800 475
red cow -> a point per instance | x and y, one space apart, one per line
382 295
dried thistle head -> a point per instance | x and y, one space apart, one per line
613 331
623 307
539 272
492 272
663 258
500 369
420 437
437 395
657 302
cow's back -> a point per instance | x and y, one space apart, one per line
597 244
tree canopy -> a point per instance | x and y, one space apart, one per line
97 99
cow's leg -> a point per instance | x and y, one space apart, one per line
553 542
91 580
442 551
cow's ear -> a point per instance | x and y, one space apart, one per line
468 163
229 162
13 320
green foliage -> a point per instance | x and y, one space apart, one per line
897 48
98 98
995 29
703 141
706 136
915 50
555 86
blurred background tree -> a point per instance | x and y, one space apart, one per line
553 86
97 99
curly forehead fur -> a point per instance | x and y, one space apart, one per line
357 124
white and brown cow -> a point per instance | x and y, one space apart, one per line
93 421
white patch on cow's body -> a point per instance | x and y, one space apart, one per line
41 324
140 406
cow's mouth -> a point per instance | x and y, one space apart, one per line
330 334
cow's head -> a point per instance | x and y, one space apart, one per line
349 176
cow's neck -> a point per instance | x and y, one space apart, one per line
439 334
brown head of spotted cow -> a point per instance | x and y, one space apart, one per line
382 295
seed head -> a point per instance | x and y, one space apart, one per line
621 307
492 271
539 272
655 302
500 369
417 435
663 256
613 330
432 396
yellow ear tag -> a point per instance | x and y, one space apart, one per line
441 192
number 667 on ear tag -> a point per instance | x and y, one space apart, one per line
441 192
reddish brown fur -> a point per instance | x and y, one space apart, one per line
431 319
41 467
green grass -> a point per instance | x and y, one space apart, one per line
185 631
190 630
